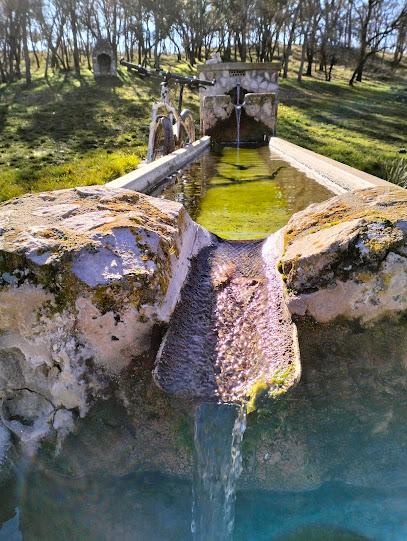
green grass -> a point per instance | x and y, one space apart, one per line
69 131
363 126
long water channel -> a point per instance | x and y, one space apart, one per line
326 462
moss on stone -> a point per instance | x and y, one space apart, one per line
262 390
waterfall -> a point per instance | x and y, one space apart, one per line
219 430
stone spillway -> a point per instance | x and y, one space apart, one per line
231 338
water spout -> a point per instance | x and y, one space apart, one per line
238 109
219 430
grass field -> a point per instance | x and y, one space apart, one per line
68 131
363 126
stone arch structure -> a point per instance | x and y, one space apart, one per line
258 95
104 60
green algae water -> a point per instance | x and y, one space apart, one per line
244 193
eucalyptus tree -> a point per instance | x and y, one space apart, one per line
193 21
160 18
311 40
10 65
223 10
269 19
134 20
400 46
51 17
291 24
3 45
240 25
72 7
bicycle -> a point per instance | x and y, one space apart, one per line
175 128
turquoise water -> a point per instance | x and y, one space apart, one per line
328 462
157 507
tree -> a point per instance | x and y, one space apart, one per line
291 26
310 18
401 42
377 19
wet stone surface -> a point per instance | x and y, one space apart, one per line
230 337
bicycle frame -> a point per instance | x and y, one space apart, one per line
167 105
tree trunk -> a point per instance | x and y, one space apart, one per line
3 77
302 61
359 74
310 60
290 39
74 28
25 47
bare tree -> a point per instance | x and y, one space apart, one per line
401 42
291 26
377 19
310 19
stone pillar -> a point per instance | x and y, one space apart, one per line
104 61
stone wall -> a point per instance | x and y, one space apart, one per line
258 90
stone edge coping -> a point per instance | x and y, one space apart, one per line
336 176
148 176
246 66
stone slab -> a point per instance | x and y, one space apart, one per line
347 257
338 176
147 177
246 66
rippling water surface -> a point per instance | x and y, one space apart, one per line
244 193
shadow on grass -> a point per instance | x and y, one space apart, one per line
85 115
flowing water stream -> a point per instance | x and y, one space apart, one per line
328 462
219 430
238 109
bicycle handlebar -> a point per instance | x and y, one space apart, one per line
167 75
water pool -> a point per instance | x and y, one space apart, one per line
326 462
243 193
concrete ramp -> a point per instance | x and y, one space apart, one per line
231 338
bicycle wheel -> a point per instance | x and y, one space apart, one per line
163 138
186 136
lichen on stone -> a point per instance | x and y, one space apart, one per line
347 256
85 275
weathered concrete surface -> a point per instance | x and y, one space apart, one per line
146 178
86 274
337 176
262 107
347 257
